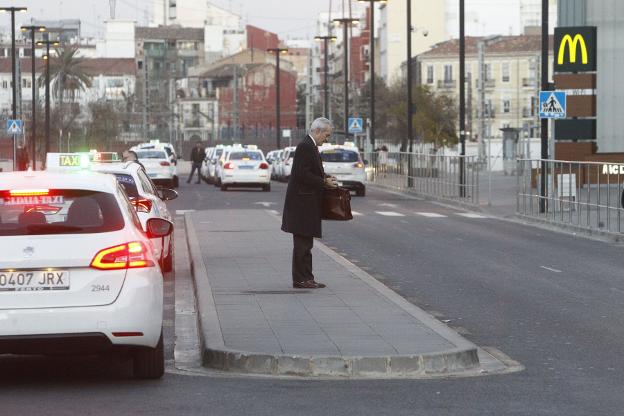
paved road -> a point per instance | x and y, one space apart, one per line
551 301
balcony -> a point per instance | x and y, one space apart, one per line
446 84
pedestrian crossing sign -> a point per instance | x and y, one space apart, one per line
355 125
14 126
552 104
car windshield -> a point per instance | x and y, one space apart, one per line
339 156
245 156
217 153
59 211
128 184
151 154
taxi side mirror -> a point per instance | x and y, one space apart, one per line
167 194
158 227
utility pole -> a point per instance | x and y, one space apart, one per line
410 127
545 87
462 99
308 104
277 51
33 140
326 40
371 50
235 104
346 22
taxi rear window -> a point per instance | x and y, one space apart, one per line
128 184
339 156
59 211
151 154
245 156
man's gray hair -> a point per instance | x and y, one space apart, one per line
320 124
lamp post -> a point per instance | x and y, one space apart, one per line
346 22
326 40
545 87
371 49
462 100
13 10
277 51
46 57
33 140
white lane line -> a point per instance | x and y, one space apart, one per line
431 215
471 215
272 211
389 213
388 205
264 204
550 269
356 214
183 211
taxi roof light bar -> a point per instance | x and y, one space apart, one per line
29 192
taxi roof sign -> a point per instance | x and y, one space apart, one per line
67 161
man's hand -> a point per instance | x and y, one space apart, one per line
331 182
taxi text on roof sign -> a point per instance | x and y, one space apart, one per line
575 49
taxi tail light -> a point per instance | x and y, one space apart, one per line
264 165
142 204
228 165
358 165
124 256
163 163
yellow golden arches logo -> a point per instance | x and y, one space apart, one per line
572 43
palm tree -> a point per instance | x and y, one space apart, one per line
66 74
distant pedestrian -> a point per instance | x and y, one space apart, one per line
22 158
383 160
303 205
198 154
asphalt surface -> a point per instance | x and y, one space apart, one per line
551 301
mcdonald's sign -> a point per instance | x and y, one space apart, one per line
575 49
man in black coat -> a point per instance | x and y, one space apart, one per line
198 154
303 205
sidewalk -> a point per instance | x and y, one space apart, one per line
252 320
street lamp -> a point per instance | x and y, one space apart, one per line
346 22
33 140
371 49
545 87
462 99
13 10
277 51
326 40
46 57
410 128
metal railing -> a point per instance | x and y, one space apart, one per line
583 195
447 178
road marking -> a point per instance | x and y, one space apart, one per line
431 215
183 211
389 214
356 214
272 211
471 215
550 269
264 204
388 205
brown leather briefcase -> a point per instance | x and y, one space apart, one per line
337 204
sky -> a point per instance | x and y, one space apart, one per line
289 18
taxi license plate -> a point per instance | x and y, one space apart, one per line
245 167
34 280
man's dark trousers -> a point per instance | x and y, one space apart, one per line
302 258
196 166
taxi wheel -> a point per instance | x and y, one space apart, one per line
149 363
266 188
360 192
224 187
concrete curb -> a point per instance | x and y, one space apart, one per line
462 360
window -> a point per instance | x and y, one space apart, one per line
5 84
506 106
429 74
505 71
245 155
448 73
340 156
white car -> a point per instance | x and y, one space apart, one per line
158 166
77 272
213 162
245 168
219 165
148 201
278 164
173 157
204 171
345 163
287 161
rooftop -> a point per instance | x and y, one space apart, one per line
169 32
92 66
505 45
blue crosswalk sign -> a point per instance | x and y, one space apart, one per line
355 125
552 104
14 126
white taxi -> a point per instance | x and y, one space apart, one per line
245 167
77 272
344 162
173 157
288 157
148 201
158 166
